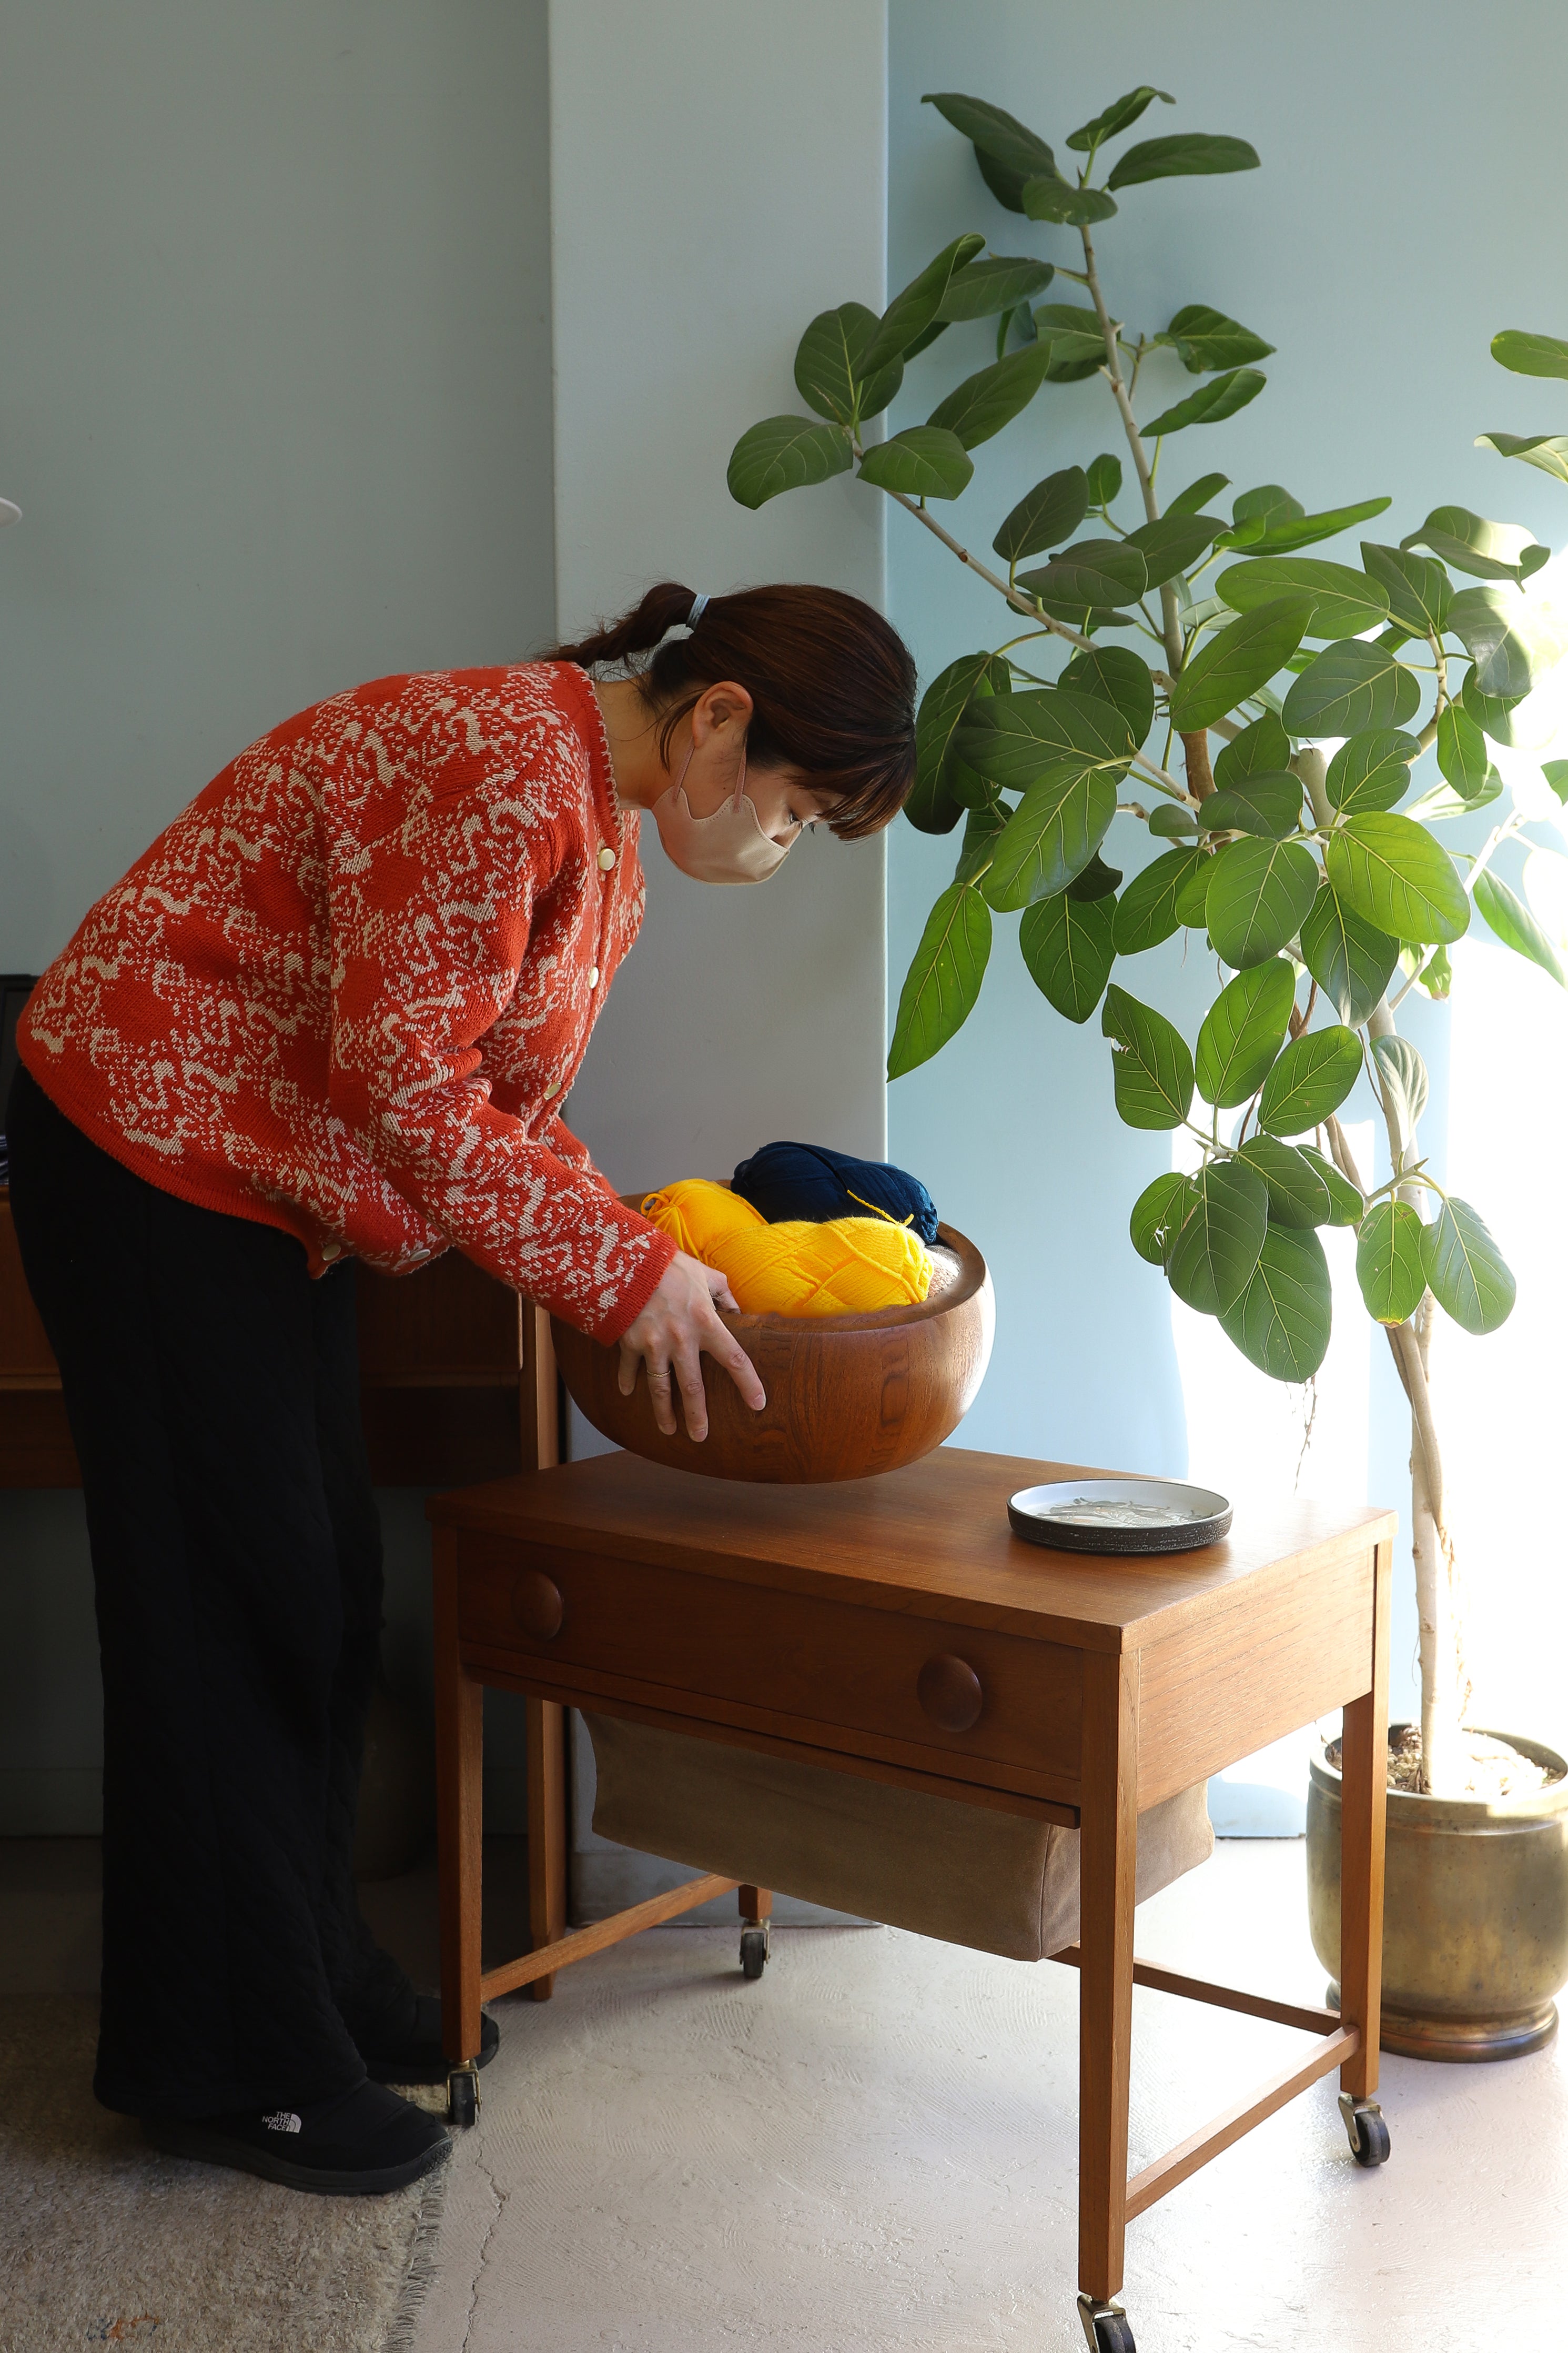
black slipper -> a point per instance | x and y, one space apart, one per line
418 2057
357 2144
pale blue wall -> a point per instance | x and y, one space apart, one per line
275 398
1408 206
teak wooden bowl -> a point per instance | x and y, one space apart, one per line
847 1395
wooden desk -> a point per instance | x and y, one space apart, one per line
797 1620
456 1377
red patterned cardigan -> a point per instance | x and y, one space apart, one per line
344 991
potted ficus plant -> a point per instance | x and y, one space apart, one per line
1259 710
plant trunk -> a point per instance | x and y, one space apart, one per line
1200 776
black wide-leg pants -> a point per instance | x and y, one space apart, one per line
213 1392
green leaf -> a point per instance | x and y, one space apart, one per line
1182 155
1311 1079
933 805
1203 339
1196 494
1484 618
1215 1254
909 314
1401 1077
1281 533
1488 551
983 288
1268 504
1014 738
1493 713
1344 602
1462 751
1077 345
1389 1264
1193 892
1111 674
1095 881
1146 911
1151 1066
1158 1215
1116 118
1067 946
1514 925
1091 571
1350 687
1370 770
1418 590
1556 775
981 828
1529 354
1046 516
1051 198
1263 749
1051 836
1547 450
984 403
1268 806
828 371
1170 821
1347 1203
1243 1031
923 461
1210 405
785 453
1257 895
1390 871
1242 658
1173 545
1436 975
993 131
1441 801
1465 1272
1298 1193
1104 481
1351 962
1282 1320
944 980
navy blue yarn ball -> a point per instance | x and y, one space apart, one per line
812 1181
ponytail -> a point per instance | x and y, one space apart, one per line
832 685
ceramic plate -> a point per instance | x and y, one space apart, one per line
1119 1515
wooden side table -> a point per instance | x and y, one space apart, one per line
798 1621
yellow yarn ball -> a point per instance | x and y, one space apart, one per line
845 1266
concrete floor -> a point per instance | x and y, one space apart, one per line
874 2147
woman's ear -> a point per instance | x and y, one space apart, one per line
721 713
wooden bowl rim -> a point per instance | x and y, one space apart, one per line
973 1275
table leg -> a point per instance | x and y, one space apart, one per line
1363 1804
1108 1865
546 1831
756 1906
460 1806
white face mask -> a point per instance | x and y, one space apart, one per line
728 847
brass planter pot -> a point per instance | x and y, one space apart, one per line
1474 1912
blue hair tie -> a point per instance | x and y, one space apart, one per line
813 1181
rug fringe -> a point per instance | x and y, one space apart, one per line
424 2265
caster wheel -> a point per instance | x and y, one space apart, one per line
462 2096
1367 2130
1105 2327
754 1951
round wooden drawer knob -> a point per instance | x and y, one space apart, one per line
536 1604
949 1692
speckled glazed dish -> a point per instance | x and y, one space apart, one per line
1119 1515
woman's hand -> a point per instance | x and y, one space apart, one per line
670 1336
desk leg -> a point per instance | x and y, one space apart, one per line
546 1831
459 1808
1363 1801
1108 1865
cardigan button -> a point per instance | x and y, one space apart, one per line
593 978
606 860
331 1249
949 1692
552 1087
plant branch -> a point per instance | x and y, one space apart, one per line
1112 373
1015 596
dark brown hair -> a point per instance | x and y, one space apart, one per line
832 686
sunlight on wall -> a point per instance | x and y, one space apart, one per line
1501 1398
1246 1436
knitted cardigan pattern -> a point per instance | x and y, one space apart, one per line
345 992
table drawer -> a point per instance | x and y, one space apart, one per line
817 1662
